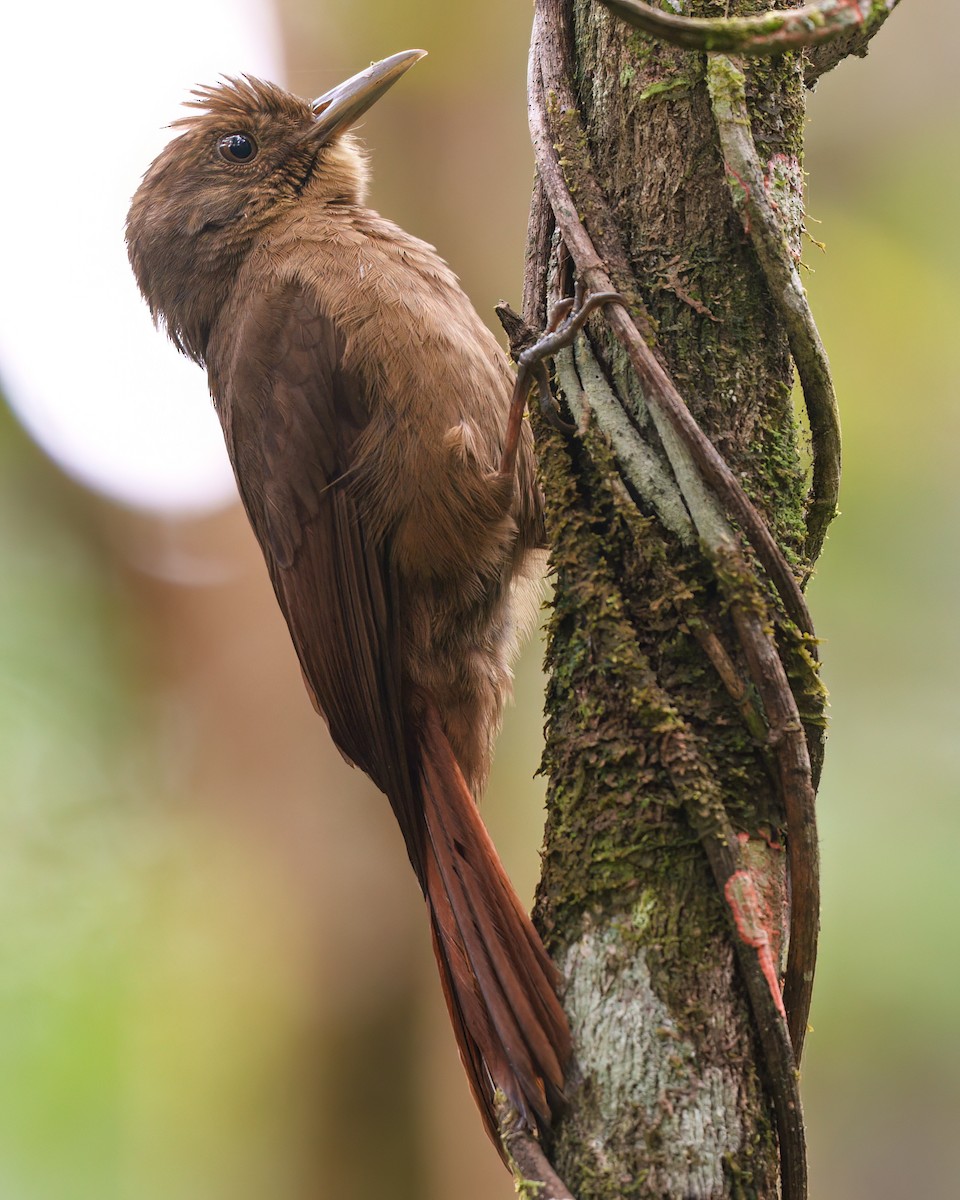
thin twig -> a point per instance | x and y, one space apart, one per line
822 58
726 83
531 1168
761 33
730 677
535 266
799 801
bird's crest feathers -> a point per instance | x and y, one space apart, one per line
239 98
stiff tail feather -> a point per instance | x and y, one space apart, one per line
499 983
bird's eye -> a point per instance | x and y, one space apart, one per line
237 148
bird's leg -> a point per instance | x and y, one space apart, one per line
567 318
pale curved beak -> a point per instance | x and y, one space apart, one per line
339 108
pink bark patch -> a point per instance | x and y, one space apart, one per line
741 895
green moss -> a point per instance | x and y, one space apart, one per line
667 85
639 46
611 789
527 1189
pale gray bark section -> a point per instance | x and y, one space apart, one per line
645 1078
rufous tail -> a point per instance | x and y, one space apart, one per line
499 983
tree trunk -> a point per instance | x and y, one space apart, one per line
671 1097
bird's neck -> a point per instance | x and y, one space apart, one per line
210 262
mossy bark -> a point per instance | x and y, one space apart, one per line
669 1099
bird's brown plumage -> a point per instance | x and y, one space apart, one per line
363 404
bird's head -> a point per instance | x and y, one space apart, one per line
248 152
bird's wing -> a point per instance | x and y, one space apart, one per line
294 415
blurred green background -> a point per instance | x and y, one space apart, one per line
215 977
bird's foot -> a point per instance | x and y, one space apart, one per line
567 318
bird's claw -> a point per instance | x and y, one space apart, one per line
558 313
567 318
549 408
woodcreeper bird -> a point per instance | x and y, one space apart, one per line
364 406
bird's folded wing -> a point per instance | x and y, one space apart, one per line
294 416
